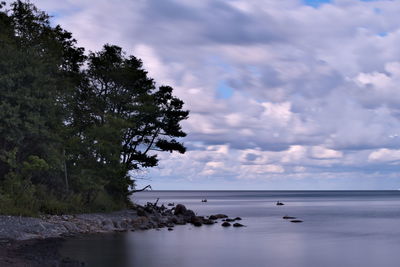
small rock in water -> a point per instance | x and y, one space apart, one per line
237 219
296 221
225 224
170 229
229 220
288 217
238 225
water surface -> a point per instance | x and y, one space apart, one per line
340 228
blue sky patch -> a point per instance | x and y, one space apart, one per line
224 91
316 3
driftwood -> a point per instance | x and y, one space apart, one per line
140 190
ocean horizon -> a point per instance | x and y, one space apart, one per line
339 228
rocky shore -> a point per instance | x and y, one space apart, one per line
26 241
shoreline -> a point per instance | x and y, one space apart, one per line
27 241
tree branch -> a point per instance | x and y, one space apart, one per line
140 190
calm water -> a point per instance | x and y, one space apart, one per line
340 228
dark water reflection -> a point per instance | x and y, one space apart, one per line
339 229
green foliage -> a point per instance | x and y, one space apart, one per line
70 135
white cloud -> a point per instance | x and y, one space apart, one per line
320 152
315 91
385 155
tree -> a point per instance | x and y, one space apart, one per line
121 118
71 135
37 66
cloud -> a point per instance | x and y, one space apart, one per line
385 155
320 152
313 90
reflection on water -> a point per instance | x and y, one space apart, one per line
339 229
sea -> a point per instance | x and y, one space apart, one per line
339 229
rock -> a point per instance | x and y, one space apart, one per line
180 209
208 221
296 221
170 229
141 212
226 224
229 220
238 219
198 224
217 216
189 213
288 217
196 221
116 224
65 217
171 204
123 224
238 225
178 220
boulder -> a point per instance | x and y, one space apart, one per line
208 221
226 224
296 221
180 209
238 219
217 216
198 224
178 220
196 221
189 213
238 225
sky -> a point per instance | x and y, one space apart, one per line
283 94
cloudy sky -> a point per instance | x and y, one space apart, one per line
283 94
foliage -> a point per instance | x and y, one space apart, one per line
73 126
